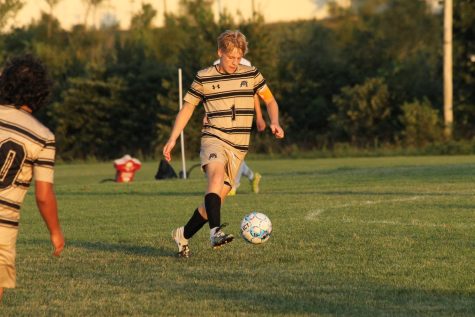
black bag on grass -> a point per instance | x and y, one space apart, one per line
165 171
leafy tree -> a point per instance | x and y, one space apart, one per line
17 42
8 9
421 123
464 67
263 47
143 20
202 31
192 39
137 62
363 114
91 5
396 40
309 75
52 4
88 119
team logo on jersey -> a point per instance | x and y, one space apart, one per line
217 86
244 83
212 156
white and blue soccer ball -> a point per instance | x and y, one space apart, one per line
256 228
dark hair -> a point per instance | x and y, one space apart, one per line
25 81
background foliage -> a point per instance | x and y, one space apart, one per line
369 76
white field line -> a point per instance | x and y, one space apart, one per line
414 223
314 215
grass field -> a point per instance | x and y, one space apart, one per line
352 237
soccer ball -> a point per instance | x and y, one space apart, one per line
256 228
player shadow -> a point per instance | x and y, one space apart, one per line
119 193
125 248
121 248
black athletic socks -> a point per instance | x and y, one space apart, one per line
213 209
195 223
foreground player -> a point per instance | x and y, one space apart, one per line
27 150
227 91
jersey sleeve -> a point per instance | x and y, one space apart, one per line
43 166
259 82
195 94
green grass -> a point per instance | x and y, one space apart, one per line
352 237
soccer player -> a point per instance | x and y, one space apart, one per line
227 92
27 150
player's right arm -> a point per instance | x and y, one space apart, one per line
181 120
47 205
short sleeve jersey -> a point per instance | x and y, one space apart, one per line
228 100
27 151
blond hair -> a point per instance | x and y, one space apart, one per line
229 40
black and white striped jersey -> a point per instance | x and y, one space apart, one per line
229 102
27 151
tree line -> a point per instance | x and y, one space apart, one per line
368 76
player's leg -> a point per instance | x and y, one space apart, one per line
242 169
215 172
181 235
211 153
246 171
8 237
194 224
200 217
255 182
215 175
237 180
254 178
227 188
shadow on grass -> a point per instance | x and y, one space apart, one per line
107 247
364 299
134 193
122 248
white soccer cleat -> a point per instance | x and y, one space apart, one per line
181 242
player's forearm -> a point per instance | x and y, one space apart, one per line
273 112
181 120
47 205
49 212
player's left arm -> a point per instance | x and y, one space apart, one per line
273 111
47 205
260 122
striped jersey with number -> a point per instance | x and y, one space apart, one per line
228 100
27 150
